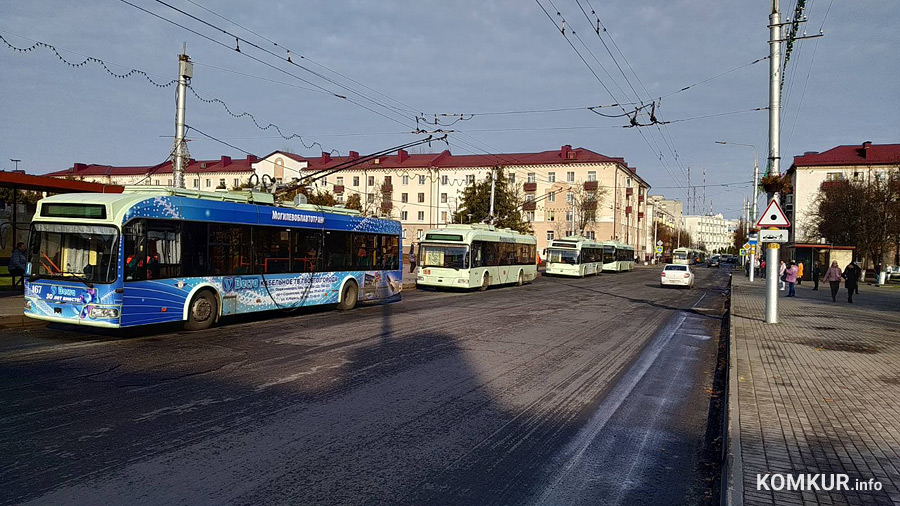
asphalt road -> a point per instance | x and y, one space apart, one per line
565 391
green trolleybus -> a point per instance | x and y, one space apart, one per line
475 256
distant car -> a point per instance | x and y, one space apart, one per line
713 262
676 275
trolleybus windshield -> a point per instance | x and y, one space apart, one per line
451 257
77 252
562 256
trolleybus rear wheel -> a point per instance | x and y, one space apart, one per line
521 279
202 311
348 296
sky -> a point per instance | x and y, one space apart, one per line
362 71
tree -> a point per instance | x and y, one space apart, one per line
586 204
740 235
476 201
354 202
321 198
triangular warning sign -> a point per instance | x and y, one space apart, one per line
773 216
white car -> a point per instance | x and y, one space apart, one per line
676 275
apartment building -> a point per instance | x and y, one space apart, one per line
423 191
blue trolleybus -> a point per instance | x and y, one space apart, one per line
155 255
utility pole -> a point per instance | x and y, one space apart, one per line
493 185
185 72
690 202
772 251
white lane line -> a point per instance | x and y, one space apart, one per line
575 450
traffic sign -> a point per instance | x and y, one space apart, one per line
659 250
774 235
753 240
745 247
773 216
743 252
659 243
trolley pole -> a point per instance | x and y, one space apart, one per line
772 249
185 72
493 185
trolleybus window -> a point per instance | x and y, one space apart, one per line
452 257
79 252
562 256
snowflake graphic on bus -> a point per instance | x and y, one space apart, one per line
161 255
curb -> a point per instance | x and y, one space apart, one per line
734 466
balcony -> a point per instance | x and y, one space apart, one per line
640 199
529 187
387 206
640 215
338 188
629 192
627 209
387 188
839 183
590 186
529 205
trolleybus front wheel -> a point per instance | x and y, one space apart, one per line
521 280
348 296
485 282
202 311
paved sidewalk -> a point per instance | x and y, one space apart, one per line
817 393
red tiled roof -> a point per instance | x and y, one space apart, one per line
23 181
860 154
223 164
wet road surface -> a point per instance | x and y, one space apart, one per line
565 391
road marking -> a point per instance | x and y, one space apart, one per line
574 451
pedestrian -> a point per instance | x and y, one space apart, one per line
816 273
756 265
851 279
790 277
799 272
762 269
17 263
781 269
412 258
833 276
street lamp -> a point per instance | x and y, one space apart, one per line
755 174
15 161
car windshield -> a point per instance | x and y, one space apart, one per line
451 257
676 268
77 252
562 256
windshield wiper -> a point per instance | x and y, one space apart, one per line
87 282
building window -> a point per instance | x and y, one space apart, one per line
532 178
834 176
405 180
568 215
529 197
222 182
592 175
156 182
169 182
444 216
237 182
421 215
421 179
590 235
370 198
324 180
421 198
196 183
570 177
628 182
419 234
443 198
355 180
551 197
371 180
404 215
551 177
550 235
470 178
209 183
339 198
404 233
551 216
570 197
445 179
529 216
340 181
404 197
511 177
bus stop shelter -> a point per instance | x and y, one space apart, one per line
809 253
16 212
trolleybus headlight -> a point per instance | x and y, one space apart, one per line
27 305
104 312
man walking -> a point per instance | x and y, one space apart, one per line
816 272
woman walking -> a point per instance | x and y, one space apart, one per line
799 273
790 277
833 277
781 269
